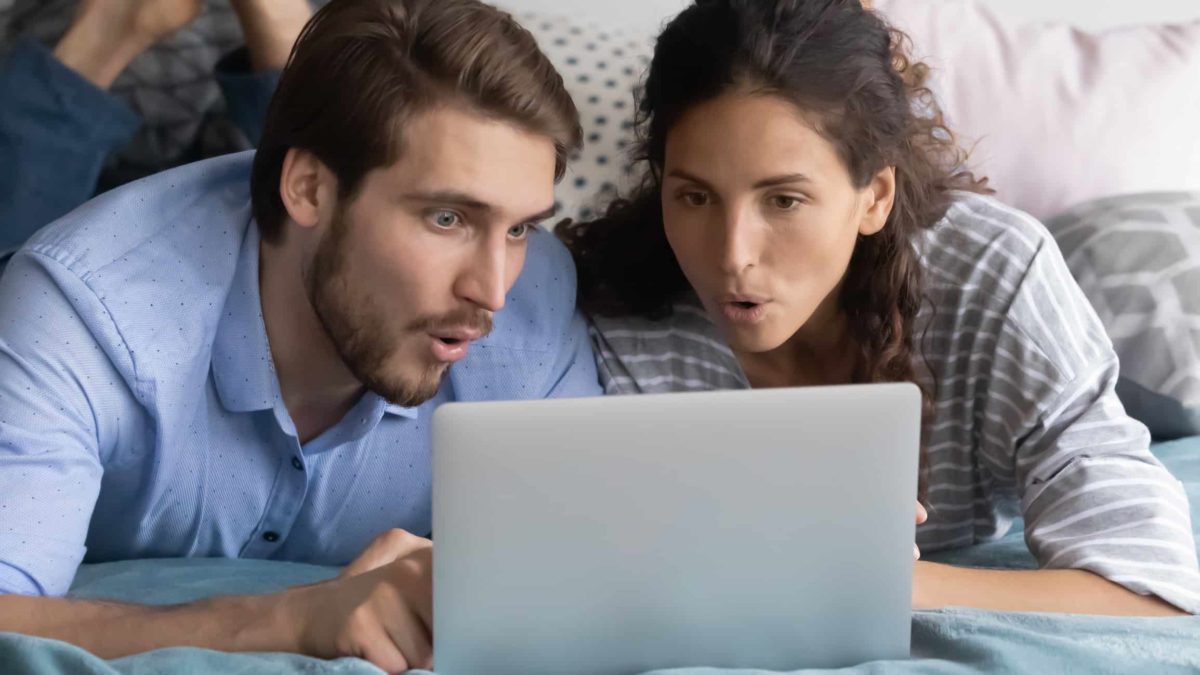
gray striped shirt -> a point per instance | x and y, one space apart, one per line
1026 421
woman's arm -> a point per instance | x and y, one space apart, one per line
1109 525
1068 591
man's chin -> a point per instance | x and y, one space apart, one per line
411 394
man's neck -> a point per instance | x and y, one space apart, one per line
316 386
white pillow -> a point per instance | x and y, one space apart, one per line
1054 116
600 66
1058 116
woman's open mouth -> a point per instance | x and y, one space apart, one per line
744 311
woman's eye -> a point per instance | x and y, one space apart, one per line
519 231
445 219
785 203
695 198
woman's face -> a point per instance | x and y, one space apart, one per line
762 216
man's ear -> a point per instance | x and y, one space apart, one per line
880 196
304 187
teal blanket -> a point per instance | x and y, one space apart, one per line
949 641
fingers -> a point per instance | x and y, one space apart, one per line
385 549
388 628
380 649
412 577
410 635
922 516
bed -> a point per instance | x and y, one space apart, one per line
946 641
949 641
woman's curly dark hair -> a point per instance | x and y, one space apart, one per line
848 69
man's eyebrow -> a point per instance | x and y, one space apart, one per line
466 201
451 198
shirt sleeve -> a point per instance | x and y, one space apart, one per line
56 131
53 406
1092 494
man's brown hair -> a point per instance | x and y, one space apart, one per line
361 68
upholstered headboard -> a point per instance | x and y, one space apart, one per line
1087 14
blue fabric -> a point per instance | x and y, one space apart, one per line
247 92
140 416
57 130
949 642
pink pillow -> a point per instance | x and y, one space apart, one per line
1058 116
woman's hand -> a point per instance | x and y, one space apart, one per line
922 516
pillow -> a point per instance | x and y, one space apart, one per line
1137 258
601 67
1057 116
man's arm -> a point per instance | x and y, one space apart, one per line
61 394
381 612
113 630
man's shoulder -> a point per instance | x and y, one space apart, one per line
540 305
147 267
168 221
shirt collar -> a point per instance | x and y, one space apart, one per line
242 365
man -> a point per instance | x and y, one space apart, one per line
226 360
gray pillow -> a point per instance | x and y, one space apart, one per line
1137 258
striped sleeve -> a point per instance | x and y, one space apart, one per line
680 353
1092 494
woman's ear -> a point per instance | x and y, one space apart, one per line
879 196
303 187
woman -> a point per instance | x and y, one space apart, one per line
805 219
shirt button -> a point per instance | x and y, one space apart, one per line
297 464
271 536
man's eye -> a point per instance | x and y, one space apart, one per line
446 219
520 231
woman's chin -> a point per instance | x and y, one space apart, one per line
753 339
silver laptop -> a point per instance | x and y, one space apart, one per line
767 529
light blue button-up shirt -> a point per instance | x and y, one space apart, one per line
140 415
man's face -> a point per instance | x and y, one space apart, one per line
410 271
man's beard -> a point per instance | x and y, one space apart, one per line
358 330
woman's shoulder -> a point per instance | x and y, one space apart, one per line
997 284
981 238
679 352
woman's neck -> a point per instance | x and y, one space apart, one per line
820 353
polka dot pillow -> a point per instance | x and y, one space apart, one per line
601 68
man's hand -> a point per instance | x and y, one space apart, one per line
107 34
380 608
